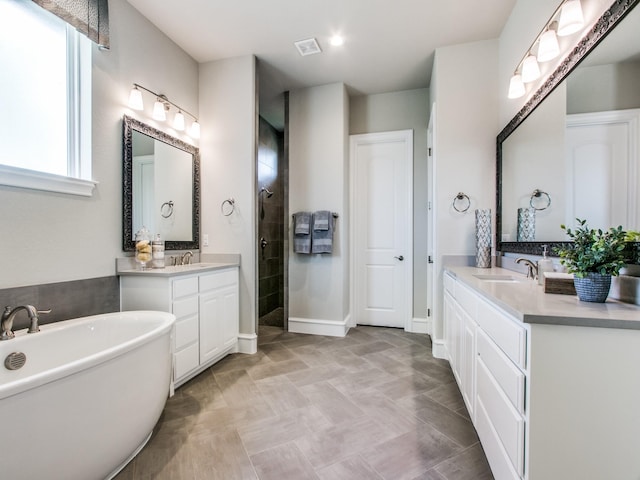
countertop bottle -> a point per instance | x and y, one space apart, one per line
545 264
157 247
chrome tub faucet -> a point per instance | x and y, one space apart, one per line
6 325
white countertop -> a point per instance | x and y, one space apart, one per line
526 300
174 270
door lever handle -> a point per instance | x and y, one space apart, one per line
401 258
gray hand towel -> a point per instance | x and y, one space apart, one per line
302 221
301 232
321 220
322 240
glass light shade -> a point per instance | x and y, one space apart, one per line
135 99
571 18
158 111
178 121
548 47
194 132
516 86
530 69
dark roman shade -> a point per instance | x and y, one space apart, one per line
89 17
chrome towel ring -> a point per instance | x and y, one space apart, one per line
228 206
168 211
540 194
464 198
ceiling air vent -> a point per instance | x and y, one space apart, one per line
307 47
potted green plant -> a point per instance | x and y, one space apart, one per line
593 257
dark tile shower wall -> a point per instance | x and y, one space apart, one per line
271 224
66 300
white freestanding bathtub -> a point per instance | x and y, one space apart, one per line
87 398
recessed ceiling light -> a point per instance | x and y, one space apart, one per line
337 40
307 47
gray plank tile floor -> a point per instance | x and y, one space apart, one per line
374 405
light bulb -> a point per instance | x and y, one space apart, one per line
571 18
158 111
530 69
548 47
135 99
178 121
337 40
516 86
194 132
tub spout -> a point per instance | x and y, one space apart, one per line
6 326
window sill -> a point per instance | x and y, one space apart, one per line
31 179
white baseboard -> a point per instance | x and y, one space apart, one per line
438 349
247 343
312 326
420 325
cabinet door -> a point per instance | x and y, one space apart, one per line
218 321
447 324
211 318
230 316
468 362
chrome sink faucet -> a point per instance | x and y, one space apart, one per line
186 258
6 325
532 268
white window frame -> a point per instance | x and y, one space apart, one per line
78 181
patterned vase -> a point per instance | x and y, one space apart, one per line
593 288
483 238
526 224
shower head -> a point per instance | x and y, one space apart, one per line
266 190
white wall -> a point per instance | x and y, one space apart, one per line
604 87
49 237
464 91
228 160
402 111
318 180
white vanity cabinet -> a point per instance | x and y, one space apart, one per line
487 352
206 306
460 337
551 383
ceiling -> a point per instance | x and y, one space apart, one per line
389 45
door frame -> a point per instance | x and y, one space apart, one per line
369 138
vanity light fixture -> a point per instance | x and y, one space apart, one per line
571 18
516 86
565 20
160 108
548 47
530 69
135 99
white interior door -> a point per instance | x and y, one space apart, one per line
382 235
602 161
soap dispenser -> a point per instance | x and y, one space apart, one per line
545 264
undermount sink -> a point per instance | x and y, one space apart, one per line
497 278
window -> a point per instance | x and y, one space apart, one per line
45 100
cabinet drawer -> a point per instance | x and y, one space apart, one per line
509 377
215 280
504 418
186 360
186 331
501 466
504 331
449 284
185 307
185 286
467 299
